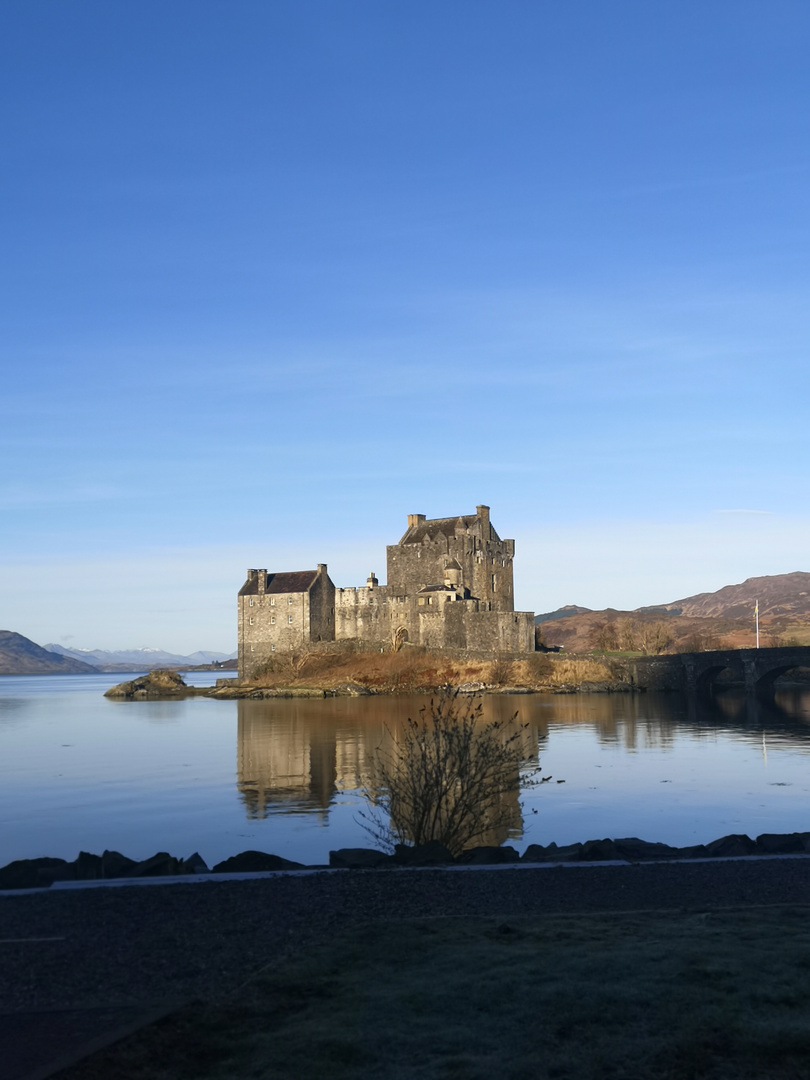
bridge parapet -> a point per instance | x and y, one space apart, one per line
695 673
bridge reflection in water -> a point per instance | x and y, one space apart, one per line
304 756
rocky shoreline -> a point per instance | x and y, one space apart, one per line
41 873
169 685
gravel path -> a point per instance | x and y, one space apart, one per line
141 945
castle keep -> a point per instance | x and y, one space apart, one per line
450 586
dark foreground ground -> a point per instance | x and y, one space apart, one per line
78 965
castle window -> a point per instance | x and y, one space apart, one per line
272 601
250 621
289 599
289 618
493 583
250 602
272 619
272 648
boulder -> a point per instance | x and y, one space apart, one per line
155 685
567 853
30 873
115 865
160 865
696 851
731 846
488 856
352 689
87 867
534 853
252 862
635 850
195 864
599 851
430 854
783 843
358 859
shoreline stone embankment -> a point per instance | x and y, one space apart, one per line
42 873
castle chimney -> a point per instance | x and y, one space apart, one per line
483 513
322 569
262 576
415 519
251 574
371 580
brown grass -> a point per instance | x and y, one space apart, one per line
417 670
670 995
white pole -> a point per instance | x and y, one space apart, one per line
756 612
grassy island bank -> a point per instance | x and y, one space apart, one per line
406 672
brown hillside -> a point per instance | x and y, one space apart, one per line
782 596
719 620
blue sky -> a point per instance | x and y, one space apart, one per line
276 274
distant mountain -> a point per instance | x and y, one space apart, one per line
138 659
722 619
562 613
782 596
21 656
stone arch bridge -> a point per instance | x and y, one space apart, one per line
695 673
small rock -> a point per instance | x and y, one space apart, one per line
252 862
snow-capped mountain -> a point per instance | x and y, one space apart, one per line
140 659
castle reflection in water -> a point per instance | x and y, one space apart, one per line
302 755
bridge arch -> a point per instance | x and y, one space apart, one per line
765 672
705 679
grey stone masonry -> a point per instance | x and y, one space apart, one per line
450 586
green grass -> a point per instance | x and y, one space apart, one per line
674 996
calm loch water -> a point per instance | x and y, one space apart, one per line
81 772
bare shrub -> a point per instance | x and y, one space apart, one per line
605 637
655 637
698 642
501 671
537 669
446 777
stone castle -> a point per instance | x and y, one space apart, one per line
450 587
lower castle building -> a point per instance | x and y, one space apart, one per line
450 587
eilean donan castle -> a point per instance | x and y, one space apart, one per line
450 587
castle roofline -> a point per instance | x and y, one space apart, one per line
295 581
421 528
